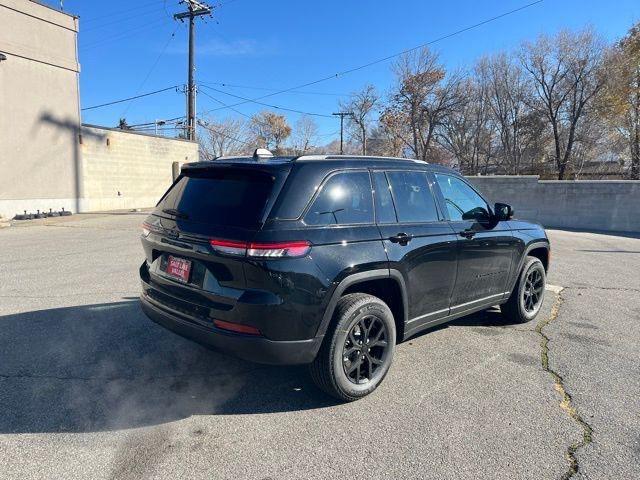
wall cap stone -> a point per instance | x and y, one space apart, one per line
134 132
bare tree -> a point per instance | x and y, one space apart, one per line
565 71
225 137
361 104
270 130
305 135
509 98
466 130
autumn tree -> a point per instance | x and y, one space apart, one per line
424 95
565 73
361 104
386 136
270 130
621 100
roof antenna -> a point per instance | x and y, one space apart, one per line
262 154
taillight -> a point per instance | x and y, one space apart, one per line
230 247
279 249
146 229
262 250
236 327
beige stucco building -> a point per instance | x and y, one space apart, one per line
45 161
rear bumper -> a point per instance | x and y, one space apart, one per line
247 347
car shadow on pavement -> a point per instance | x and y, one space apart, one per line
107 367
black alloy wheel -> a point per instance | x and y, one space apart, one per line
365 349
532 291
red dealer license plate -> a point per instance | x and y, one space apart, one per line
179 268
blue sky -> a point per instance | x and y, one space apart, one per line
282 43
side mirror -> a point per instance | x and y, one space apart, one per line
477 214
503 211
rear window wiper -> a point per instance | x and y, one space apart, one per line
175 213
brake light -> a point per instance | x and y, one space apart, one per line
279 249
147 228
230 247
236 327
262 250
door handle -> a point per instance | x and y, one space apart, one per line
468 233
401 238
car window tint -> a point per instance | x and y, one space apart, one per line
345 198
412 197
218 197
459 197
385 213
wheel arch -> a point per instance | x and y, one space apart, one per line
542 253
372 282
540 249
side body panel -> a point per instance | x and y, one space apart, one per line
427 264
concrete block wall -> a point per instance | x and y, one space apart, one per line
124 170
606 205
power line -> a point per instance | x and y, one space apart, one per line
131 98
124 34
208 126
277 107
360 67
225 105
120 12
389 57
322 135
153 67
305 92
118 21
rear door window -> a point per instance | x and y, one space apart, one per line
412 196
219 197
344 199
385 213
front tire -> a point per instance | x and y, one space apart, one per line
358 348
527 296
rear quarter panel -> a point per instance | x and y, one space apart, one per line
306 284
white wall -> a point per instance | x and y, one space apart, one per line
123 170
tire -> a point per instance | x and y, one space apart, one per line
341 352
520 308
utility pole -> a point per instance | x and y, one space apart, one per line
195 9
342 115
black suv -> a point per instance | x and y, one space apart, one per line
332 260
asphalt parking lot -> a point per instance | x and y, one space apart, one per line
89 388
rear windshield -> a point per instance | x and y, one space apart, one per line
224 197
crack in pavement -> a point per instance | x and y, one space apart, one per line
598 287
566 403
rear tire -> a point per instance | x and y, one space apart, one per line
527 296
358 348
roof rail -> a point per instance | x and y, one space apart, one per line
311 157
354 157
